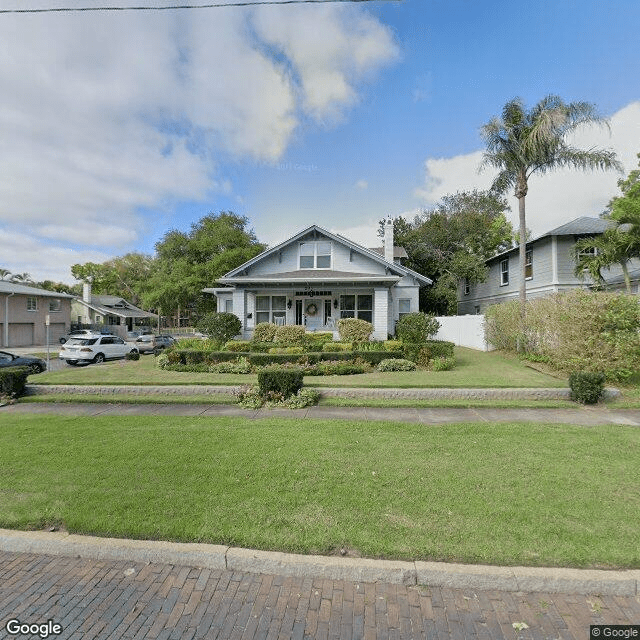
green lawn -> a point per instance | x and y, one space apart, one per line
474 369
483 493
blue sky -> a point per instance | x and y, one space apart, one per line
116 128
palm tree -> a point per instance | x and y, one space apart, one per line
21 277
592 255
523 142
4 273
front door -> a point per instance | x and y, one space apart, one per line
314 313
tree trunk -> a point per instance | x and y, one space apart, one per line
523 271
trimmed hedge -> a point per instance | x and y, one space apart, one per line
354 330
284 382
13 381
292 334
265 332
586 387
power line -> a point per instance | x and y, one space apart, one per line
244 3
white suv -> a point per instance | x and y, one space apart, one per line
94 348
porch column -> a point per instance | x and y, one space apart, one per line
239 308
380 314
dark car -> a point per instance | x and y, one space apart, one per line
35 365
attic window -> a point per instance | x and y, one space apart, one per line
315 255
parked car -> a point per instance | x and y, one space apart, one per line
95 348
80 333
35 365
153 344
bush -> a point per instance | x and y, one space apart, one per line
392 345
396 364
416 327
264 359
197 344
280 381
335 347
340 368
264 332
376 357
286 350
417 352
13 381
132 355
442 364
220 327
586 387
240 366
291 334
354 330
162 361
319 337
238 346
440 348
576 331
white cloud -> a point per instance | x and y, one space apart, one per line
362 185
557 197
107 114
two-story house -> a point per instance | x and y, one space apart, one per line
315 278
550 267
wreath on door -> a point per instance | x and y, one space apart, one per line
312 309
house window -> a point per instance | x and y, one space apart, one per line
404 307
315 255
228 306
357 306
270 308
32 303
467 287
54 305
504 272
528 264
588 252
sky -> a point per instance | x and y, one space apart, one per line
116 127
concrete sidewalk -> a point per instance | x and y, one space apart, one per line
586 416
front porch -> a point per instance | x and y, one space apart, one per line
315 309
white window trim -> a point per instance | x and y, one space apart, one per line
29 308
315 254
528 262
503 273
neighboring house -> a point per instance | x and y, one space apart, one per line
550 266
111 312
317 277
24 313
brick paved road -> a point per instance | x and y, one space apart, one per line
93 599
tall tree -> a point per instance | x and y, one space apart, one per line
188 262
625 209
526 141
451 241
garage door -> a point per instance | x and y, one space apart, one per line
20 334
56 331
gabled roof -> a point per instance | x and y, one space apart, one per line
392 267
583 226
106 305
398 252
12 287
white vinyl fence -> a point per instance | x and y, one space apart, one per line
464 331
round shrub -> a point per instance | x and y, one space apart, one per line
416 327
354 330
586 387
221 327
291 334
396 364
264 332
132 355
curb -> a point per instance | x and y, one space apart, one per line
434 574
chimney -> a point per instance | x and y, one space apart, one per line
388 240
86 292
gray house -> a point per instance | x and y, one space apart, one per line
29 314
317 277
112 313
550 268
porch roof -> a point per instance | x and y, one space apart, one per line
311 276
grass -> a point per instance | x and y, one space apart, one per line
549 495
474 369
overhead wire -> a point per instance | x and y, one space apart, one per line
217 5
